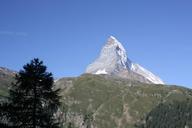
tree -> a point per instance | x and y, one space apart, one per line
32 102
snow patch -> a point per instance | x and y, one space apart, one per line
101 72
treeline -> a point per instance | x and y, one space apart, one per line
177 114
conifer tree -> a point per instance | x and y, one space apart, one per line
32 102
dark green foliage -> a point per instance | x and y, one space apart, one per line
88 119
70 125
177 114
32 101
4 126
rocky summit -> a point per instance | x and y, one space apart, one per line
113 61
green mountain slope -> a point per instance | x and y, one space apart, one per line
177 114
111 102
98 101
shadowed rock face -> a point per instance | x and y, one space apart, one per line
113 61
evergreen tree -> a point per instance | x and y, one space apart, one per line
32 102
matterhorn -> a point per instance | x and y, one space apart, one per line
113 61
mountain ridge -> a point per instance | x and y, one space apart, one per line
6 78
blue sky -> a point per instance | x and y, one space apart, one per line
68 34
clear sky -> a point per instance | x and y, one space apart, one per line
68 34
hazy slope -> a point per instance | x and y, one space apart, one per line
6 77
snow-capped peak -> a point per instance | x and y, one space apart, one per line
113 60
119 50
113 41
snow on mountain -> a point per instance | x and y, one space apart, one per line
113 60
147 74
101 72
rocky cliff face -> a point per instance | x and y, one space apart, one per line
113 61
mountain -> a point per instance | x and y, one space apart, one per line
101 101
6 77
105 101
115 93
113 61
